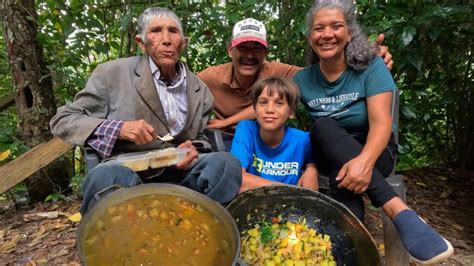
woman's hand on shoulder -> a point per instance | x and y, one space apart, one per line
355 175
383 51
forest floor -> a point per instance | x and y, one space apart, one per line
442 197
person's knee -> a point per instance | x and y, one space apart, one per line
221 176
224 159
230 160
103 169
103 177
110 173
323 127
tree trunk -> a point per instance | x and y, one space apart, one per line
34 93
468 157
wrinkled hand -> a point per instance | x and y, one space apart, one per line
309 181
216 123
190 156
384 53
355 175
138 132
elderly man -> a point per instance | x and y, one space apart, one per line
230 83
130 104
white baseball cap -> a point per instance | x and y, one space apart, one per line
249 30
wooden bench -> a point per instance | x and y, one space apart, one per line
30 162
33 160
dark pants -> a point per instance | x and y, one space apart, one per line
333 147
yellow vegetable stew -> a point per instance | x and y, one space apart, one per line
157 230
288 243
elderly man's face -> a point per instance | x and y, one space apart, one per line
248 58
164 41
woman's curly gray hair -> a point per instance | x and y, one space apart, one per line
359 51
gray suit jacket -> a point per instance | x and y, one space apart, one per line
124 89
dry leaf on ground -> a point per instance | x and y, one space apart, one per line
75 217
40 216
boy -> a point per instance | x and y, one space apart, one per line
270 152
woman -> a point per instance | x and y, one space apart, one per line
348 91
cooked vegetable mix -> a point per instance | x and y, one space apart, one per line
285 243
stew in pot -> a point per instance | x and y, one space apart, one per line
157 230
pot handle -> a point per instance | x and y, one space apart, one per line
104 192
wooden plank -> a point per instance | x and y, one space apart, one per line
7 102
28 163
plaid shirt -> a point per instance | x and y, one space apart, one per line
104 136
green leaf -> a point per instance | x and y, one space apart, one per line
303 27
95 23
408 112
416 62
234 18
68 31
249 2
115 45
5 138
373 37
125 21
56 196
426 117
101 48
266 232
408 35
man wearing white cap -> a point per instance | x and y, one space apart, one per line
230 83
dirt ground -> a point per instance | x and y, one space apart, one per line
442 197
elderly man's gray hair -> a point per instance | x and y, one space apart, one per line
159 12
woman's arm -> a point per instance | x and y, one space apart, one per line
355 175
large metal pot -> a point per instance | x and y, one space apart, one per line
352 243
152 189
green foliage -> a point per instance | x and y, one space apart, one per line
76 183
5 77
432 47
17 194
56 196
9 138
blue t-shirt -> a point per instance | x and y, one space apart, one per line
345 98
283 163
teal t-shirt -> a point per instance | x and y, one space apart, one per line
345 98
